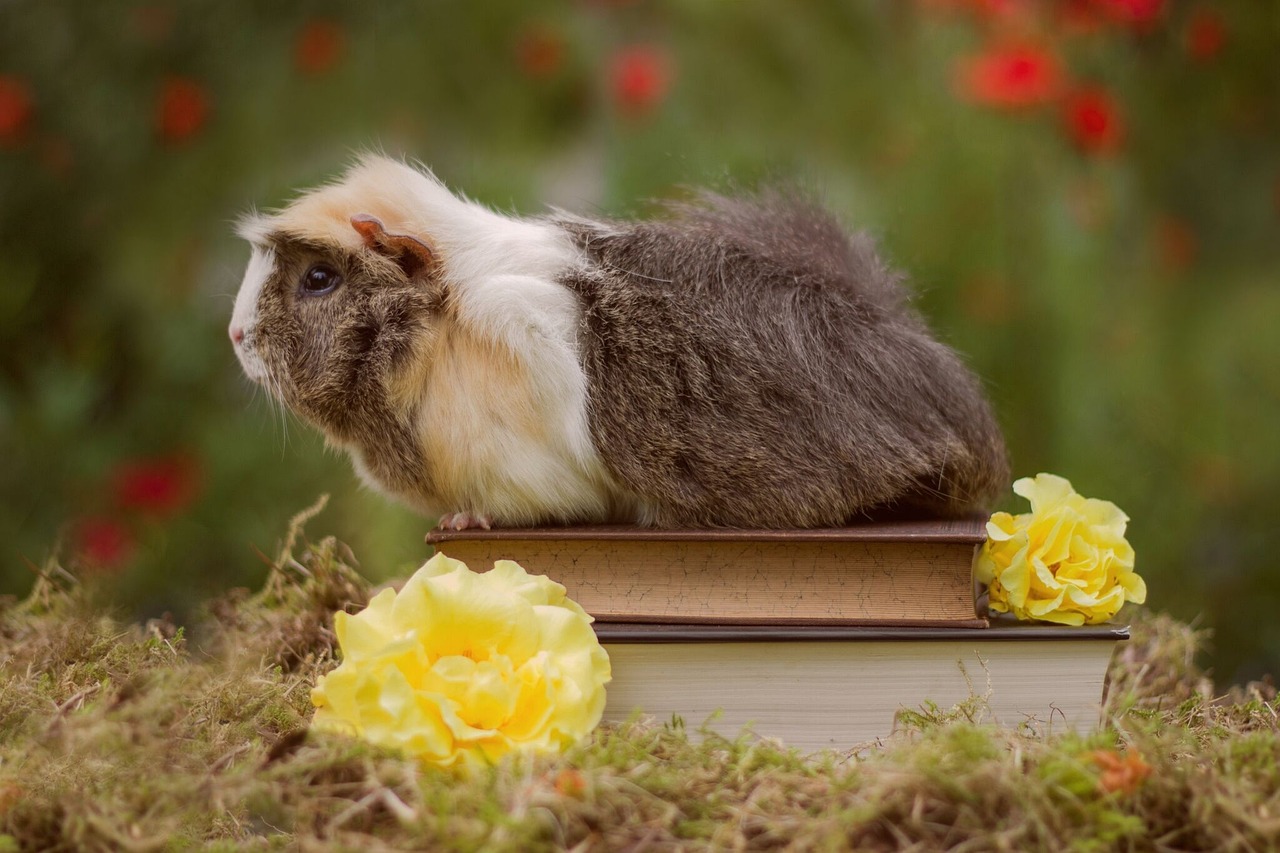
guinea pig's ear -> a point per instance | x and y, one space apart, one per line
411 254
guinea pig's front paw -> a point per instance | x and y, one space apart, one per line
465 521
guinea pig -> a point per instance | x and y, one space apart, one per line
739 362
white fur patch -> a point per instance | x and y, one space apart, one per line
245 314
506 425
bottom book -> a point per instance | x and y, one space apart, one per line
843 687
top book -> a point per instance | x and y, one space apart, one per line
891 573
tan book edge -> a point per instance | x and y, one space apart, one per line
971 529
892 573
844 691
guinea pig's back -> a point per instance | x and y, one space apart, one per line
751 364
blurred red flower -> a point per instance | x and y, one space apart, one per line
641 76
1139 13
570 783
1010 77
157 486
540 52
181 109
15 109
103 544
1205 35
1121 773
319 47
1093 121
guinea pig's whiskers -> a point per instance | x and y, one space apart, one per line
279 411
268 387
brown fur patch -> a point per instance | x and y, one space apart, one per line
340 359
752 365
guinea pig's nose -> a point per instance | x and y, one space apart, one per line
237 334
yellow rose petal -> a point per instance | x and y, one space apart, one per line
1016 582
1045 492
1001 527
1066 561
1060 617
462 668
370 632
535 701
535 589
1135 587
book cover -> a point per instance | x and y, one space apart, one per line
899 573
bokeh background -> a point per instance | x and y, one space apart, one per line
1085 194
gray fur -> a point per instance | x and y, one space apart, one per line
752 365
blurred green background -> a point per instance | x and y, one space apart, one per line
1085 194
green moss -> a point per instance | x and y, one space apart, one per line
124 737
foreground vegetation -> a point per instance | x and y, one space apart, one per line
139 738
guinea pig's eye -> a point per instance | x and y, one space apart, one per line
320 279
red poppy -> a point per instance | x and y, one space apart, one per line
103 544
181 109
1013 77
1093 121
1205 35
319 47
540 52
158 486
641 76
15 109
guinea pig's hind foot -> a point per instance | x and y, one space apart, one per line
465 521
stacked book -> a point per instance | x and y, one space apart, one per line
820 638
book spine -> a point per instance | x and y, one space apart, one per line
801 583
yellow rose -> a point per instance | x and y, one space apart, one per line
1066 561
460 666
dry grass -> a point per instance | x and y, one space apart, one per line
123 738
